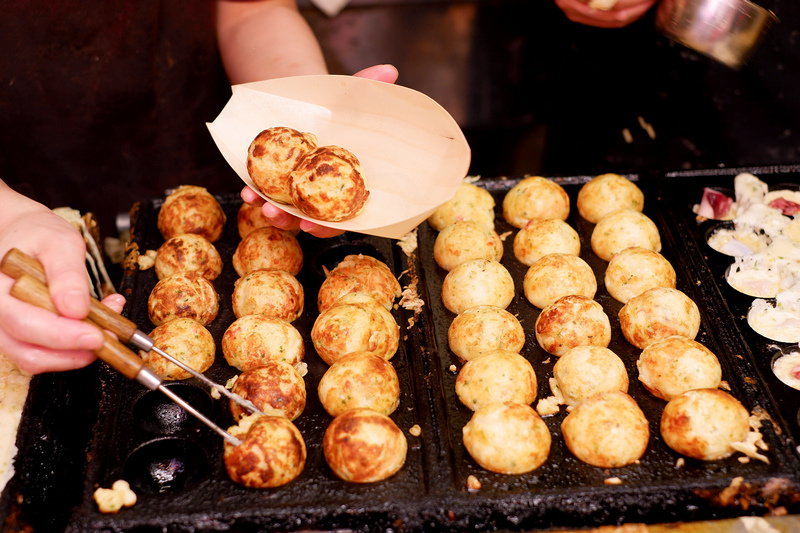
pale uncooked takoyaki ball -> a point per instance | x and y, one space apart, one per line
542 236
477 282
571 321
674 365
188 253
535 197
507 438
186 340
466 240
191 209
359 379
268 248
588 370
607 193
272 156
275 388
497 376
364 446
483 329
634 270
608 430
557 275
356 322
470 202
254 340
272 452
359 273
702 424
183 295
623 229
249 218
273 293
657 314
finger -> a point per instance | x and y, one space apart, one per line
319 231
251 197
64 262
384 73
279 218
115 302
37 360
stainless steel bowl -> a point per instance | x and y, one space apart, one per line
725 30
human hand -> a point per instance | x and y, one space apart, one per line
623 13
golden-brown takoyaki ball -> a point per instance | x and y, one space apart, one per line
329 184
477 282
273 293
702 424
535 197
268 247
275 388
466 240
624 229
659 313
607 193
676 364
272 156
356 322
272 452
587 370
183 295
254 340
608 430
470 202
482 329
364 446
496 376
507 438
191 209
359 273
542 236
634 270
571 321
188 253
359 379
557 275
249 218
186 340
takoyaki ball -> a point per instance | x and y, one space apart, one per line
356 322
507 438
542 236
571 321
634 270
268 247
183 295
273 293
497 376
674 365
186 340
607 193
557 275
272 452
588 370
272 156
359 379
608 430
657 314
188 253
477 282
535 197
624 229
255 340
482 329
329 184
191 209
275 388
466 240
364 446
470 202
249 218
702 424
359 273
